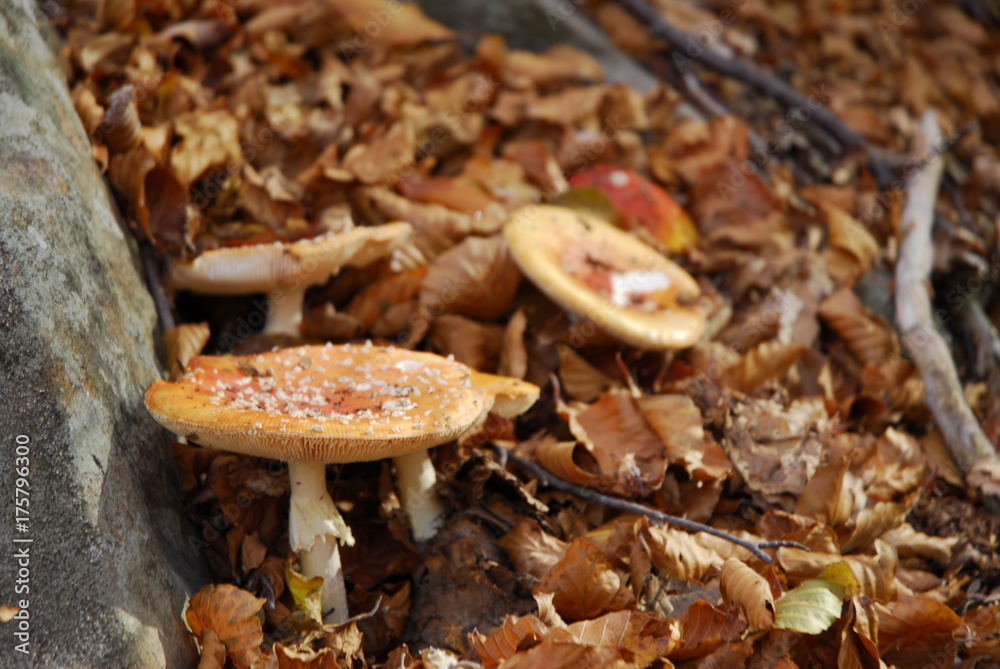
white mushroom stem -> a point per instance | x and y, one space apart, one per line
415 480
285 311
314 528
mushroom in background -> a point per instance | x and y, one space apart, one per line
640 206
314 405
596 271
285 270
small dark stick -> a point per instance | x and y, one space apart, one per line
547 479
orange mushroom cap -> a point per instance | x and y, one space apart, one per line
326 404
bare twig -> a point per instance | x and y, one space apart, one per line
761 80
591 495
943 391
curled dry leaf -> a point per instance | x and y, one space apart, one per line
513 352
474 344
300 656
742 586
232 614
581 380
476 278
852 250
569 460
776 449
156 199
583 583
679 554
559 65
516 633
380 160
208 141
213 651
911 543
867 337
183 343
626 448
531 549
270 197
914 628
824 497
769 361
679 423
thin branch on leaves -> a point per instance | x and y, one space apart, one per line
760 79
943 392
591 495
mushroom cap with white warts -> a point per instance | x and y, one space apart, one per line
325 404
259 268
599 272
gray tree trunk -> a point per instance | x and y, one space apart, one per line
109 562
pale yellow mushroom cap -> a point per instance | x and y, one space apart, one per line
599 272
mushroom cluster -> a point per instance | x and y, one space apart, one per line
314 405
597 271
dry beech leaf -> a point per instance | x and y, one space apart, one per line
513 352
769 361
852 248
868 338
380 159
871 523
913 628
472 343
776 449
476 278
270 197
569 460
232 614
183 343
566 654
583 583
824 497
559 65
910 543
213 651
643 635
303 657
680 554
679 423
704 629
859 636
457 194
515 634
209 141
740 585
626 448
531 549
581 380
373 301
156 199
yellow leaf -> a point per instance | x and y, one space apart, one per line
810 608
307 593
